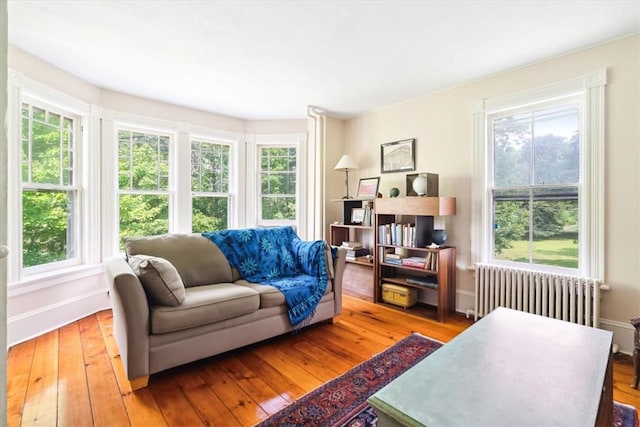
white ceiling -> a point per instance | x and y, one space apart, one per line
271 59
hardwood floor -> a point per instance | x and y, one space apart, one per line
73 376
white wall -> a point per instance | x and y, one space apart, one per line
441 124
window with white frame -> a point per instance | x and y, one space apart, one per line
535 183
278 176
51 183
539 178
143 182
209 185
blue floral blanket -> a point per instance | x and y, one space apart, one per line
278 257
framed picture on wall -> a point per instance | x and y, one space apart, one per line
368 188
398 156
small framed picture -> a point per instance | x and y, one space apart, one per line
357 215
368 188
398 156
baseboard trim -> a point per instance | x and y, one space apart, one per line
622 334
31 324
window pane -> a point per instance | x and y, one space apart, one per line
143 161
278 181
209 214
210 167
557 145
555 229
143 215
512 150
511 225
554 238
47 218
45 151
279 208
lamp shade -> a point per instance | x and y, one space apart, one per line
346 163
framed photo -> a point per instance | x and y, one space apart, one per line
357 215
368 188
398 156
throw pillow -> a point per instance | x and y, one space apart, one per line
159 278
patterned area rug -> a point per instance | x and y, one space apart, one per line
343 400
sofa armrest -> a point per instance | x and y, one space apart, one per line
130 317
339 263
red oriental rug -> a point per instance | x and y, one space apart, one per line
343 400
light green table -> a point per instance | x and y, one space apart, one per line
508 369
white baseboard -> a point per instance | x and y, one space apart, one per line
622 334
34 323
465 301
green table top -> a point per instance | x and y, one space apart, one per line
509 369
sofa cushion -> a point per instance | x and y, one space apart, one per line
159 278
269 296
205 304
197 259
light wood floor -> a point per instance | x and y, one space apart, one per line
73 376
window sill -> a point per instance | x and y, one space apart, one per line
54 278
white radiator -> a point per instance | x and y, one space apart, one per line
570 298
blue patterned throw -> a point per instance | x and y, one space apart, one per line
278 257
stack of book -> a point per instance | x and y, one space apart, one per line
414 261
354 250
393 259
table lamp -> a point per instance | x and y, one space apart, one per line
346 163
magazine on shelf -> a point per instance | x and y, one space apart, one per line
427 282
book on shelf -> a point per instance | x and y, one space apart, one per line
352 245
427 282
397 234
352 254
393 261
414 261
431 262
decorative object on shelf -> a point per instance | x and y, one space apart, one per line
424 184
394 192
357 215
439 237
345 164
398 156
432 184
368 188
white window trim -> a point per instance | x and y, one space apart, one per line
254 142
232 141
147 126
180 171
592 86
21 88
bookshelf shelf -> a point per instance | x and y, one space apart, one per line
403 258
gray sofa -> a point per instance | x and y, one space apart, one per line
205 311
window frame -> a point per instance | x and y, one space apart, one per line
255 144
492 187
232 174
24 90
172 170
74 187
590 89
